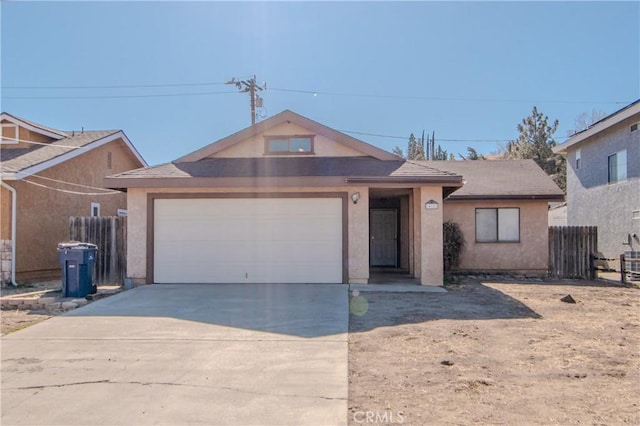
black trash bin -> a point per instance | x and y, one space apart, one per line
77 260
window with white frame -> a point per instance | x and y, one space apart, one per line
618 166
289 145
498 225
9 133
578 158
95 209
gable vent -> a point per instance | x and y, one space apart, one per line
634 127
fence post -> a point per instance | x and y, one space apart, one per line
623 273
592 266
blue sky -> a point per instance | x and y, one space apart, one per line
470 71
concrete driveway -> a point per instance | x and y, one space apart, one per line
185 354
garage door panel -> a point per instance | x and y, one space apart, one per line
248 240
238 229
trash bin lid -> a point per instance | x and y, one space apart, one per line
76 245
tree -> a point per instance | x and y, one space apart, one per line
585 120
440 154
424 149
536 142
415 148
472 154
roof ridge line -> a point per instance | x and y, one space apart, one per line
417 163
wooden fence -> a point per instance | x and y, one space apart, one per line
110 235
570 251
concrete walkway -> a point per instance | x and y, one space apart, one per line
185 354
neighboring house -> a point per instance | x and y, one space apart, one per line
47 176
291 200
603 180
558 214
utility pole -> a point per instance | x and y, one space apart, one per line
250 86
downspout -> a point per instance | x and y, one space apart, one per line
14 196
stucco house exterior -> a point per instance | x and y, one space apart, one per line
292 200
603 180
47 176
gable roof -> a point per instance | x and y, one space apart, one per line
597 127
35 127
18 163
500 179
290 117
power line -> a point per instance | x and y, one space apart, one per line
278 89
119 96
435 98
125 86
50 144
438 139
73 184
70 192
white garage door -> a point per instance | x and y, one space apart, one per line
257 240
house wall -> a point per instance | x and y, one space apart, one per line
591 200
358 223
43 214
254 147
5 235
5 214
530 255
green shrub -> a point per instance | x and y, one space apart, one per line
453 244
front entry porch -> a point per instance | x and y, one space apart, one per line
405 238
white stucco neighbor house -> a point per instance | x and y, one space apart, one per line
289 200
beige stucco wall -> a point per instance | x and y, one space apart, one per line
5 214
358 223
428 236
529 255
43 214
254 147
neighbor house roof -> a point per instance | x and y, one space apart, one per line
348 169
500 179
38 128
597 127
288 117
18 163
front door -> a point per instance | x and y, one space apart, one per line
383 245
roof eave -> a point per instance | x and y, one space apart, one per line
451 180
52 133
611 120
486 197
68 155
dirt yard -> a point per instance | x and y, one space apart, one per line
496 353
14 320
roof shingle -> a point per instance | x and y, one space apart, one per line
15 160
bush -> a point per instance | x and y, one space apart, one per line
453 244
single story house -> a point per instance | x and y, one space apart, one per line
47 176
290 200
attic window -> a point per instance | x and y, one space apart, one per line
289 145
9 133
634 127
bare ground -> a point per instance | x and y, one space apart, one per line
497 353
14 320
